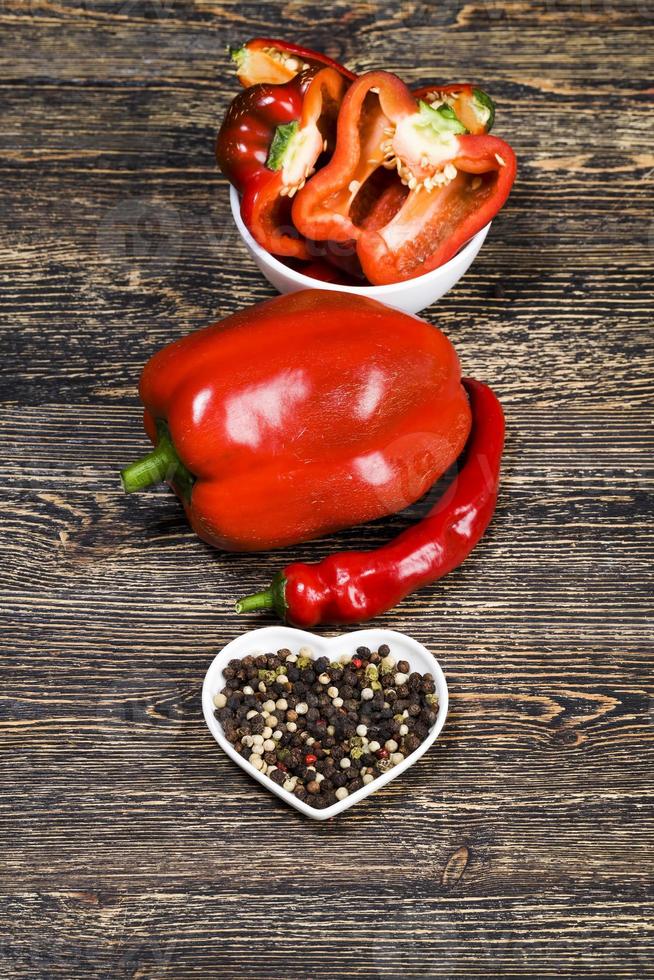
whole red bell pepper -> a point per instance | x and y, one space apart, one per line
269 144
274 62
301 415
456 181
351 587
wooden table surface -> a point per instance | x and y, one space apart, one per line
521 844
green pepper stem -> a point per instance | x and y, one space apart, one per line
272 598
258 600
157 466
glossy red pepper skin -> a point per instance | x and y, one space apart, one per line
249 126
272 61
310 102
352 587
301 415
432 222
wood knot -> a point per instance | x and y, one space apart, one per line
455 867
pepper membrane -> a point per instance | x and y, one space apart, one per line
299 416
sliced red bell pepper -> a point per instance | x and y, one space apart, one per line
271 61
267 60
471 105
456 181
270 142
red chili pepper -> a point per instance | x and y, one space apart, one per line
456 182
310 412
270 142
310 758
275 62
351 587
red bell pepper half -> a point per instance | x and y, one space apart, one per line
266 60
456 181
471 105
269 144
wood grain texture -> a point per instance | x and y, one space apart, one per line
520 846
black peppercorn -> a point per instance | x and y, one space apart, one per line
381 715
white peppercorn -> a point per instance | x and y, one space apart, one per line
282 704
251 714
273 721
324 679
342 793
267 732
219 700
268 705
362 730
248 690
367 778
282 679
391 745
268 745
367 694
345 762
337 702
396 758
401 678
374 746
331 691
404 729
291 727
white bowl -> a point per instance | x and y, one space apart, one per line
273 638
411 296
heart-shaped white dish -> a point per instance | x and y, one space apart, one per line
273 638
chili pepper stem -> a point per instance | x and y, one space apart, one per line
157 466
258 600
272 598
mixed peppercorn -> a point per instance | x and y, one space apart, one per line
323 729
